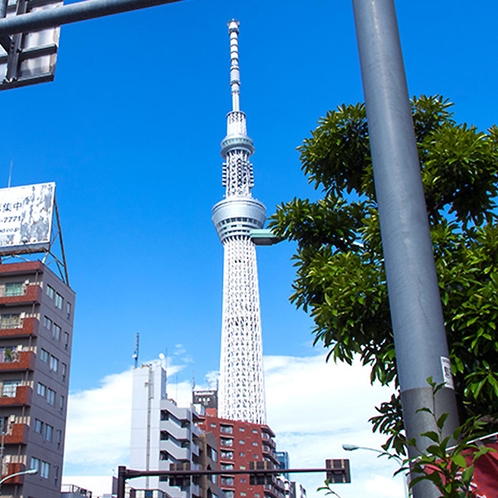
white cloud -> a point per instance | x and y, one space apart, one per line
313 407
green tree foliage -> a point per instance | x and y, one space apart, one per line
340 278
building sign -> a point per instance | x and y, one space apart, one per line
26 218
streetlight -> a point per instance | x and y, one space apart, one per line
22 473
354 447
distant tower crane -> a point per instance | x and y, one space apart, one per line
241 390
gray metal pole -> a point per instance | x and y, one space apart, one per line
81 11
419 335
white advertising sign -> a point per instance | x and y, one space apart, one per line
26 218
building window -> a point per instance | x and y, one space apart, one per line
44 356
59 300
225 441
163 455
226 454
66 341
45 470
50 292
228 481
242 454
61 403
47 323
255 431
241 441
56 332
212 453
50 396
68 309
59 439
35 463
213 425
14 289
227 466
64 372
41 389
241 429
38 426
242 493
54 364
47 434
10 321
226 429
255 443
243 479
228 494
9 388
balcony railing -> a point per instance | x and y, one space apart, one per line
21 396
14 468
16 361
30 294
25 327
17 435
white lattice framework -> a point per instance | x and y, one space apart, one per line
241 390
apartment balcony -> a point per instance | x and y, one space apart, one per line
17 435
22 397
18 362
268 441
30 294
24 268
28 327
269 454
14 468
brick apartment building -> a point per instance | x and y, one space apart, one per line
242 445
36 326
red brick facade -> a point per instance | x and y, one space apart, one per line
242 445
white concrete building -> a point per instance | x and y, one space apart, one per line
163 434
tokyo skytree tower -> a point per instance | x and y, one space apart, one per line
241 390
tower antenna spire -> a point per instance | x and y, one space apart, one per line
241 389
136 350
233 31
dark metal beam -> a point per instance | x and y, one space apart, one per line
124 474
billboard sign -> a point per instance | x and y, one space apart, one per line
26 218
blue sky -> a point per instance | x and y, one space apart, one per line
130 132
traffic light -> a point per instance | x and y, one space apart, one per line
261 479
179 480
338 470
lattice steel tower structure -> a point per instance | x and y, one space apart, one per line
241 390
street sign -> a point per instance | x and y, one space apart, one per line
28 58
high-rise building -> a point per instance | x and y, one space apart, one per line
241 388
36 326
165 436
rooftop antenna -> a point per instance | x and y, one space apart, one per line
135 353
193 380
10 173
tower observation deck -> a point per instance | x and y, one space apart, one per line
241 390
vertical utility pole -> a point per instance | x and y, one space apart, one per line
418 325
